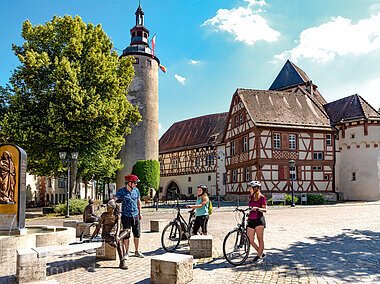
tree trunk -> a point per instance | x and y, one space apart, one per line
85 188
109 189
104 190
73 178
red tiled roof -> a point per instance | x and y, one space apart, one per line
283 109
194 132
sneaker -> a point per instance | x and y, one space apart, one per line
139 254
123 264
263 255
258 259
125 257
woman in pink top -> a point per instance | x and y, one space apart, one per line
256 219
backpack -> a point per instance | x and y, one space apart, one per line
209 207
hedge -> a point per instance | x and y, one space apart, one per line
148 172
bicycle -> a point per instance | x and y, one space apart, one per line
177 230
236 243
90 228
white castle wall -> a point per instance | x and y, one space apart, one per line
359 155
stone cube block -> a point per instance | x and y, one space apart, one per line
201 246
29 267
171 268
106 251
158 225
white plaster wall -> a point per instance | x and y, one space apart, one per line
183 183
365 162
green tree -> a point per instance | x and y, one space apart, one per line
148 172
69 93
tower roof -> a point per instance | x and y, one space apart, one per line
290 75
350 108
139 38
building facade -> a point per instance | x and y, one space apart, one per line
192 153
334 146
268 129
357 148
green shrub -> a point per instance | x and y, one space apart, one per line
315 199
148 172
77 207
288 199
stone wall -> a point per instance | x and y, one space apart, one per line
46 236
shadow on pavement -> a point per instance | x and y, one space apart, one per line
349 256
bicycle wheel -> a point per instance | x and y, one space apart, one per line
171 237
87 232
236 247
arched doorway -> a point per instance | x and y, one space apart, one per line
173 191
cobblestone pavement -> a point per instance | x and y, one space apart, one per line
321 244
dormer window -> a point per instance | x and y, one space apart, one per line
213 139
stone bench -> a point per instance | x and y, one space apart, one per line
171 268
201 246
158 225
31 262
79 226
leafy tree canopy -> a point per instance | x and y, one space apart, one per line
69 93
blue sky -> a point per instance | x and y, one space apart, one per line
212 47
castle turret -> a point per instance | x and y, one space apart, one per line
142 143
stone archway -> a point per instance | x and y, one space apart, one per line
172 191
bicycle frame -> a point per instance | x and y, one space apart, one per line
180 220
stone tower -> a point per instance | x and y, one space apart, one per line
142 143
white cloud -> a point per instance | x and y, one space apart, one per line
337 37
368 90
194 62
180 79
244 23
259 3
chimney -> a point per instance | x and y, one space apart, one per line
309 87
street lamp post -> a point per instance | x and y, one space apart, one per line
68 161
218 155
292 165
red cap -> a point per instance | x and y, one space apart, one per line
131 178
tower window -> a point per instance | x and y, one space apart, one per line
139 33
133 34
148 63
136 61
353 177
145 35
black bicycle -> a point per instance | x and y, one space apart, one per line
236 243
177 230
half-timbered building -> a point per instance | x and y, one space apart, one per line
192 153
335 146
265 130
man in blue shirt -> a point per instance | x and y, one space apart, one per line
131 211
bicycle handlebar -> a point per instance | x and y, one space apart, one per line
242 210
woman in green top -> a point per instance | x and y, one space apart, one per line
201 210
